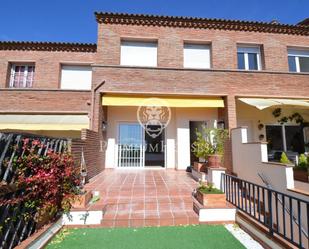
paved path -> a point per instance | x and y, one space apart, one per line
144 197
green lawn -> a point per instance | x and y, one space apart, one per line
181 237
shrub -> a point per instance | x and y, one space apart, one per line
209 141
302 162
209 189
284 159
49 182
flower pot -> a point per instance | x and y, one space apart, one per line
200 167
301 175
82 200
214 161
206 199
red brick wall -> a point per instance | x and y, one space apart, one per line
223 79
48 101
47 64
93 146
223 42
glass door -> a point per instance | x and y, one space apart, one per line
130 145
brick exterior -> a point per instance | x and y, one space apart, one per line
93 145
44 101
223 79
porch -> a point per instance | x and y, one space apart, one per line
282 123
144 131
134 198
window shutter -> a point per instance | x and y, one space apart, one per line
76 77
196 56
134 53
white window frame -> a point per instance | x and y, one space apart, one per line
246 49
187 45
13 72
298 53
151 63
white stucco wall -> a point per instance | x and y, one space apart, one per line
177 133
250 160
250 116
183 116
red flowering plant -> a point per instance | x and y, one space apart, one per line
50 182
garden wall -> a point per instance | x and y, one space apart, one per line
92 143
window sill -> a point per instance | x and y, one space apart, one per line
42 89
200 69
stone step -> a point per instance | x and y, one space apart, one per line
180 221
149 214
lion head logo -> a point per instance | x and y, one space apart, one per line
154 115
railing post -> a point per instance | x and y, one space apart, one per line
270 212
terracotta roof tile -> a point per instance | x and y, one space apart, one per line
48 46
200 23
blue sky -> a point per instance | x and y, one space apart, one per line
73 20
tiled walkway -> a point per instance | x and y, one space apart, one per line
145 197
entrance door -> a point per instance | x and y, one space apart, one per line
195 126
154 148
130 145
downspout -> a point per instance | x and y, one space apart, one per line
93 100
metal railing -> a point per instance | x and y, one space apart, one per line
14 227
282 214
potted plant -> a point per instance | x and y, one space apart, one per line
210 145
208 194
301 170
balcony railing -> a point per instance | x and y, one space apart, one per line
282 214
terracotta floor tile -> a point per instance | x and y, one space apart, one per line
108 223
122 223
137 215
165 215
152 222
144 197
137 222
166 222
151 206
180 221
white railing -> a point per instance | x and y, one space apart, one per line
130 156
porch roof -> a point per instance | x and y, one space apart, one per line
263 103
43 122
126 100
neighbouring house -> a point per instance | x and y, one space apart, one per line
211 72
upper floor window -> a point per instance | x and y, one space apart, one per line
196 55
22 75
298 60
76 77
138 53
249 57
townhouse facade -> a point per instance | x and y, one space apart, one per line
208 72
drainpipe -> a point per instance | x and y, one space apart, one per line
93 100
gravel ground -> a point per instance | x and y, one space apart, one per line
243 237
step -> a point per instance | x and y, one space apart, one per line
149 214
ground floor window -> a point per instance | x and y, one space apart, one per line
288 138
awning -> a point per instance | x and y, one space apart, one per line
119 100
263 103
43 122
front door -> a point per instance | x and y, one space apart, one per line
130 145
154 148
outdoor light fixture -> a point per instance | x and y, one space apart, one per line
104 126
